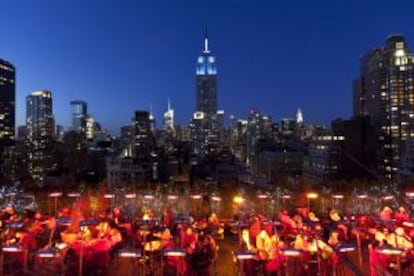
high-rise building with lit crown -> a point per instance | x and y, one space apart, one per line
7 110
385 93
207 122
169 119
40 132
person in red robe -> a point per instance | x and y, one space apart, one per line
188 240
386 213
401 216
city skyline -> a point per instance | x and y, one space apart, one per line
309 63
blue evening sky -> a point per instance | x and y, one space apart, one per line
120 56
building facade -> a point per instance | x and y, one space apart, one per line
169 120
207 119
40 133
322 162
7 115
385 92
79 115
143 136
126 171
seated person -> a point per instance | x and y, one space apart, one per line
264 245
276 258
188 240
401 216
201 258
246 243
165 237
386 213
288 223
313 217
334 239
402 240
377 261
336 219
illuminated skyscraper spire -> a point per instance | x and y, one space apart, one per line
151 119
169 118
206 62
206 42
299 116
150 115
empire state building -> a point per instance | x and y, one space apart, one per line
207 123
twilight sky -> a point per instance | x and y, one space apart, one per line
119 56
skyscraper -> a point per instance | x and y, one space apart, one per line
385 93
169 119
7 110
143 138
207 122
79 115
40 132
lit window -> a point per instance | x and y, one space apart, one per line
399 53
397 61
399 45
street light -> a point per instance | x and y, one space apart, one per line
216 198
290 253
363 203
55 195
336 198
194 202
262 197
73 194
197 196
310 196
109 196
285 197
130 196
238 199
149 197
388 197
410 196
172 197
32 204
11 197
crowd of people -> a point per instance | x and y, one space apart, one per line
327 245
299 241
73 244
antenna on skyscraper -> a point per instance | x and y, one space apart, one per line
206 41
169 104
